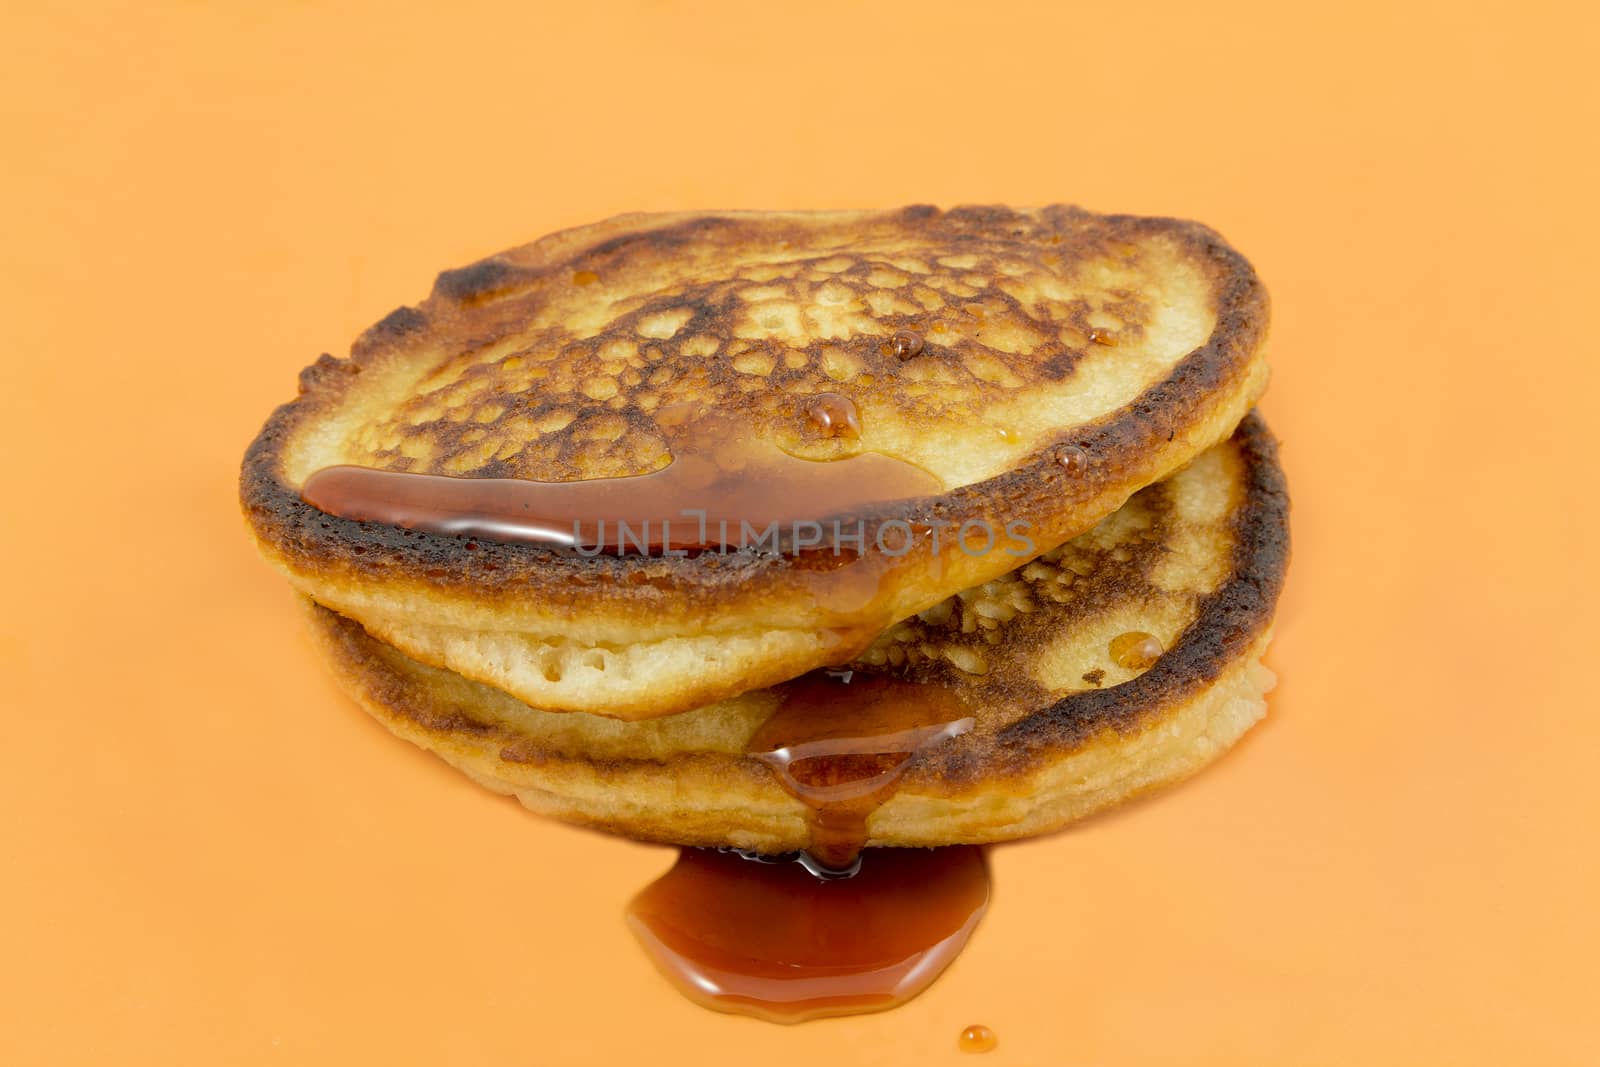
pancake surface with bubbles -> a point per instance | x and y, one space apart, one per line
1039 366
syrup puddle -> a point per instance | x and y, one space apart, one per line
841 930
773 941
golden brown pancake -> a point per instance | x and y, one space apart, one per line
1049 363
1062 728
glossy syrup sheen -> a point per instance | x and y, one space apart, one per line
717 468
771 940
977 1038
840 742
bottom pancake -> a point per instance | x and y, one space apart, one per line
1122 661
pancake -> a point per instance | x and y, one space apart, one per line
1031 367
1062 727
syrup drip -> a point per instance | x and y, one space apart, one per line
738 481
841 741
770 940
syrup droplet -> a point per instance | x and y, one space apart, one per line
1101 337
1073 460
834 415
906 345
1135 650
584 277
1007 434
977 1038
840 743
768 939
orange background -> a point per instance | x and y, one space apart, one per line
210 857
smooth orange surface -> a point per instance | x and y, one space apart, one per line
210 857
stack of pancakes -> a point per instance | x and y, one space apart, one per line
1079 385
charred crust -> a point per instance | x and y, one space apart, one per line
477 282
664 238
326 367
391 328
983 215
1229 622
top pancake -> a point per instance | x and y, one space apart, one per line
551 363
